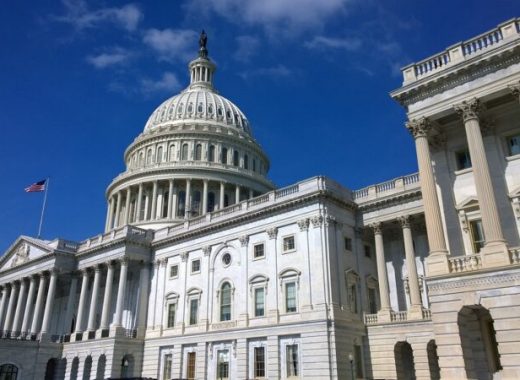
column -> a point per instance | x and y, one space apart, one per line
381 271
107 299
2 304
144 283
221 195
154 201
28 305
437 259
71 302
237 194
39 304
146 204
118 210
127 206
495 243
415 310
204 196
91 323
82 299
110 213
121 292
17 321
170 199
11 306
187 202
139 202
174 202
50 302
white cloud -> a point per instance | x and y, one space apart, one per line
116 57
167 83
171 44
347 43
275 16
247 47
81 17
274 71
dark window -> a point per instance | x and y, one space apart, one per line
477 235
259 362
259 250
235 158
198 152
224 155
290 297
191 366
195 266
372 305
292 360
348 244
259 302
288 243
368 251
463 159
174 271
246 161
225 302
211 201
513 145
172 307
211 153
194 310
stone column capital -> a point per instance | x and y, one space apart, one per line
419 127
515 89
404 221
469 109
272 232
377 227
206 250
303 224
244 240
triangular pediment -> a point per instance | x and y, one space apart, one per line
469 202
23 250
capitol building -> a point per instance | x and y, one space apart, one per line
207 270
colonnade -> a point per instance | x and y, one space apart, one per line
24 315
415 311
495 249
170 199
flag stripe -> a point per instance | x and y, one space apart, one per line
36 187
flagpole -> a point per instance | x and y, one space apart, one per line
43 207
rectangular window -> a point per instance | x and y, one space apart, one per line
259 302
174 271
353 298
195 266
223 364
477 235
190 373
513 145
288 243
259 362
358 360
372 305
290 297
291 351
463 159
348 244
172 307
167 367
368 251
194 311
259 250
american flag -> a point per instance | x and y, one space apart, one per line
36 187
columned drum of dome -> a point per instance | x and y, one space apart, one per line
195 155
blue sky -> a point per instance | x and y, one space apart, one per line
79 79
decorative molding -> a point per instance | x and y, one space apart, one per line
419 127
244 240
515 89
317 221
206 250
330 220
404 221
21 255
377 228
303 224
272 232
439 287
469 109
184 256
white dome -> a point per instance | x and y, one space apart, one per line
200 103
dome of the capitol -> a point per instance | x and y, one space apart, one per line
195 155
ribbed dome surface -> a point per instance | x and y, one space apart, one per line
198 104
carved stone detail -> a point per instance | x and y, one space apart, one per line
303 224
21 255
515 90
419 127
469 109
184 256
244 240
272 232
317 221
404 221
377 228
206 250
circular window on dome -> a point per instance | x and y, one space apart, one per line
226 259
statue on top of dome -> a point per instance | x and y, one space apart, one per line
203 40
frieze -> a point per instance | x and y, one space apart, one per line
441 286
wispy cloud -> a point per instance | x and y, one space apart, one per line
167 83
172 44
275 16
115 57
81 17
247 47
346 43
274 71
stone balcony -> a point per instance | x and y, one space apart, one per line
396 317
390 188
474 48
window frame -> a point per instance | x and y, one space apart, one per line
255 314
192 262
459 165
347 243
286 297
220 299
259 244
170 271
283 240
509 137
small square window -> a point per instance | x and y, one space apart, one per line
463 159
288 243
348 244
513 145
195 266
174 271
368 251
259 251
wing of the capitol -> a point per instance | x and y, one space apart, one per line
206 270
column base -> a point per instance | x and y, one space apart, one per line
415 312
495 254
437 264
384 315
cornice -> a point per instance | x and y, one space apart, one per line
390 200
474 280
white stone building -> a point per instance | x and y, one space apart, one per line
206 271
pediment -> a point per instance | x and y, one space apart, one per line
23 250
515 193
469 202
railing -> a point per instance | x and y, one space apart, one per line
130 333
286 191
462 51
370 319
125 231
514 255
458 264
398 316
385 188
427 314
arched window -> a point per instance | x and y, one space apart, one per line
165 203
211 153
254 165
184 152
226 200
246 161
181 206
149 157
235 158
159 154
224 155
172 152
211 201
195 203
225 302
141 159
198 152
